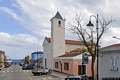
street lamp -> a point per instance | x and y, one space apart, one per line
90 24
116 37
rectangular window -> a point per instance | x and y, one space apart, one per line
66 66
45 62
114 66
56 64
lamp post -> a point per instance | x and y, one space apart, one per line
90 24
116 37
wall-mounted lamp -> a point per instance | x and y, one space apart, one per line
101 54
60 61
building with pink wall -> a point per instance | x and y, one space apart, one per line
71 64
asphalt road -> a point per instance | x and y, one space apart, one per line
15 72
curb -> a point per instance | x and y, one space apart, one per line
57 76
54 75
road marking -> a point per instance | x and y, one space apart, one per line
44 78
16 71
2 71
28 76
49 78
3 74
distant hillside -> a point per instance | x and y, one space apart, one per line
16 60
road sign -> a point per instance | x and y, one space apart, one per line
85 59
40 62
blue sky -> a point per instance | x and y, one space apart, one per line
25 23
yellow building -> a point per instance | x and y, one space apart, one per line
2 58
28 59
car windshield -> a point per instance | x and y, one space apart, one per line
72 79
85 78
77 78
41 67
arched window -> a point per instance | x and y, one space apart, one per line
59 23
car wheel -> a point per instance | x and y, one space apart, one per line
46 73
39 73
34 74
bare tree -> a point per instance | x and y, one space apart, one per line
88 35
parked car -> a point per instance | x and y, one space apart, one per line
21 64
34 66
7 66
27 67
41 70
24 66
79 77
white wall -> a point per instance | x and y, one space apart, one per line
57 37
47 54
105 64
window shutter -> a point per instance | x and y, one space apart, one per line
116 63
112 66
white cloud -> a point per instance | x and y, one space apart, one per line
40 13
36 14
23 44
9 11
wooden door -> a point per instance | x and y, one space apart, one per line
79 69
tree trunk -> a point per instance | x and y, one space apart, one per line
92 67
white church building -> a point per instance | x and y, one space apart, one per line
57 45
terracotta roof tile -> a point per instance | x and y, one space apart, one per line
113 45
48 39
2 52
69 41
77 50
70 55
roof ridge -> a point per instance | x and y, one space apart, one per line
112 45
68 41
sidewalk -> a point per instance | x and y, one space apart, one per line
59 74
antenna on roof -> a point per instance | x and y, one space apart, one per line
57 9
108 43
